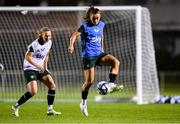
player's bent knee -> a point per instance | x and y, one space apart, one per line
87 85
90 81
33 93
118 63
53 86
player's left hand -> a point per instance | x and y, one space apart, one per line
48 71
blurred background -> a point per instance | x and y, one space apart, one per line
165 19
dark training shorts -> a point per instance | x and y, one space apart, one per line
92 61
31 75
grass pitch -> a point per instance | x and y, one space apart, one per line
35 112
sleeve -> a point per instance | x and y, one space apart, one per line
31 49
51 45
81 29
103 24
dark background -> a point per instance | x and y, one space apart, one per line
165 16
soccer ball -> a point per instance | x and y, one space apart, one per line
102 88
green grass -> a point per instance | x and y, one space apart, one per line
35 112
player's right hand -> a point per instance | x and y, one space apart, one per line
40 69
70 49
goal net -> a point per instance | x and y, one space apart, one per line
128 37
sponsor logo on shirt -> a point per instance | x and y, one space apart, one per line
95 39
42 49
40 56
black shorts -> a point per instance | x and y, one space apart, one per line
92 61
31 75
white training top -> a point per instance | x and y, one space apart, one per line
40 53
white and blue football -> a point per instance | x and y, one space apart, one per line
102 88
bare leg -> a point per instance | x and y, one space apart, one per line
89 78
32 90
49 82
110 60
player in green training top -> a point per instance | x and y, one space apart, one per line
92 39
35 68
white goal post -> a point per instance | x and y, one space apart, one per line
128 35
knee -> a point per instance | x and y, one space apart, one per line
53 86
117 63
87 85
33 92
90 82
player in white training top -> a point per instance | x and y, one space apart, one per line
35 68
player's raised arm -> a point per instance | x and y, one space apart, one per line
72 41
102 42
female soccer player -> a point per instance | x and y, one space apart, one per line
35 68
91 32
